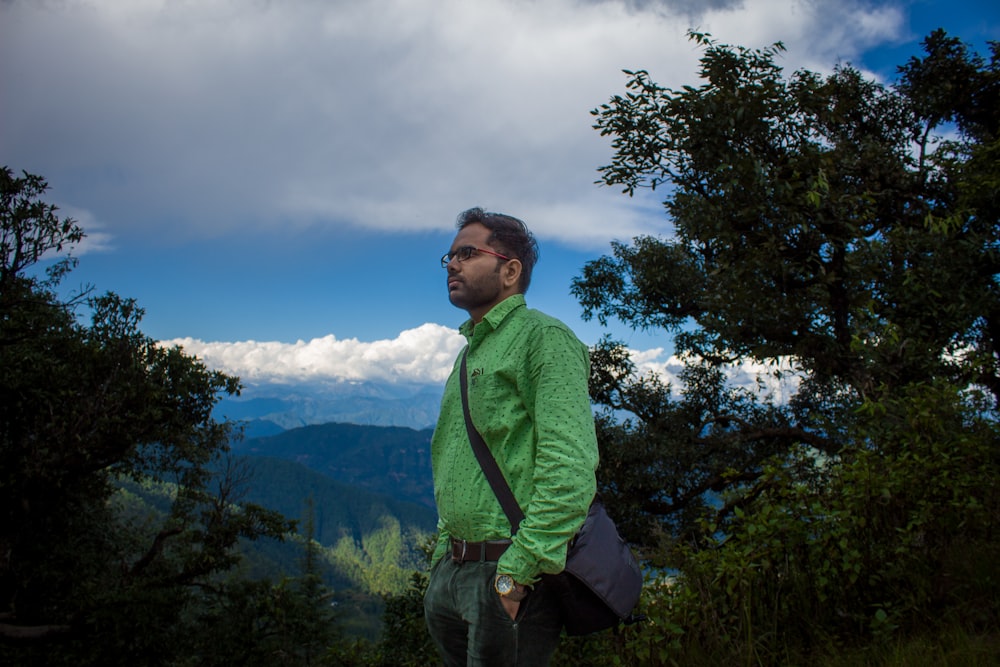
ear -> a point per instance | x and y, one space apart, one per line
510 274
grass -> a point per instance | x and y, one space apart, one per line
954 647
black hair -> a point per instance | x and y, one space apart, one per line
509 236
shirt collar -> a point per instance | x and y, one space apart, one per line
497 314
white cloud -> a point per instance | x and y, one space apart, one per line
816 34
424 355
421 355
202 118
96 239
779 380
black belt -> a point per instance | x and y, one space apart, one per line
462 551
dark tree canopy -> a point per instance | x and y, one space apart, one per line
87 409
845 234
841 224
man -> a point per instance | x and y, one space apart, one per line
486 603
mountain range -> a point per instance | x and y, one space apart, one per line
266 407
389 460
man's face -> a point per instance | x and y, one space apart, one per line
475 284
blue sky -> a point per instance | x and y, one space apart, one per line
289 172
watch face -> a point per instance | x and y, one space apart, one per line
504 584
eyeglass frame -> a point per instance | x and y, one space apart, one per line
448 256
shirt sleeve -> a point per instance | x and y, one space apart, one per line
566 455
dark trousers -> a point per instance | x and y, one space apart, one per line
470 627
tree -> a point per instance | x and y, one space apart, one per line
817 220
290 622
85 408
843 228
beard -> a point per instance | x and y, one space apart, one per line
475 293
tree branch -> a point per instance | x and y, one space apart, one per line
154 550
10 632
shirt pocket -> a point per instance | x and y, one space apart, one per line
494 404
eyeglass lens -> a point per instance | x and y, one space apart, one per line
463 253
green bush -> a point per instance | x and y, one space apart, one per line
890 539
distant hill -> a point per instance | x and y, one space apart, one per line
369 544
305 403
339 509
259 428
394 461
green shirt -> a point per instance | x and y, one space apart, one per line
528 398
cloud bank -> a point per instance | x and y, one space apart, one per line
199 119
424 355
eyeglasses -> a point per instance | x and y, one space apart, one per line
465 252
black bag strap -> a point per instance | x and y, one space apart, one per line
486 461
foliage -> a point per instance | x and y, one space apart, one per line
368 540
87 574
405 640
366 545
349 555
844 234
810 219
869 545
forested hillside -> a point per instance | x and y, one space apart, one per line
366 545
339 509
390 460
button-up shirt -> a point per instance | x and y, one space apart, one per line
527 383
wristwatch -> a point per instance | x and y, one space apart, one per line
508 588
